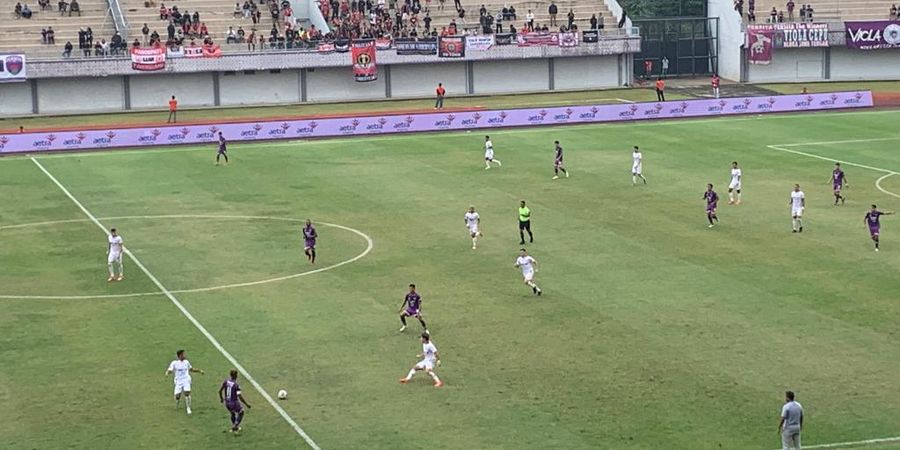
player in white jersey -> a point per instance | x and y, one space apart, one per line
734 188
473 220
529 267
798 204
430 359
182 369
489 154
114 256
636 166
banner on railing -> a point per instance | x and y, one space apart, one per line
12 67
342 45
568 39
436 121
363 54
480 43
193 52
148 58
873 35
212 51
383 43
503 38
535 39
175 52
451 47
325 47
793 34
590 36
759 45
416 47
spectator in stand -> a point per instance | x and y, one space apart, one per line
44 4
163 12
74 7
26 12
462 16
809 13
145 31
552 10
893 12
593 21
664 65
51 36
512 30
67 50
251 40
751 17
173 111
571 17
773 15
529 21
482 11
43 35
498 19
62 7
512 12
170 30
238 11
427 21
803 13
240 35
116 43
790 10
457 5
439 96
231 36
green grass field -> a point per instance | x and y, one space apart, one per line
653 332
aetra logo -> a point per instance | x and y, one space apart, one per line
309 129
499 119
592 113
404 124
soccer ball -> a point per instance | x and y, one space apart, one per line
282 394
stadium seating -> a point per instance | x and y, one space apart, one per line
218 15
830 10
25 34
582 10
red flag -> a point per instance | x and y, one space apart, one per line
759 43
363 54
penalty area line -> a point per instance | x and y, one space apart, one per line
212 340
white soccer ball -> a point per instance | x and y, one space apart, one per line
282 394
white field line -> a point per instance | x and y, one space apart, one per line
878 185
849 141
243 146
622 100
824 158
855 443
215 343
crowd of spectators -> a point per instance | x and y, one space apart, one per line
776 15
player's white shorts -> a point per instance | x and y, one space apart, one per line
528 276
736 185
425 364
636 169
473 229
114 257
489 155
182 386
797 212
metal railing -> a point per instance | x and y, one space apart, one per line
115 10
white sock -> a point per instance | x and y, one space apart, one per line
498 162
633 179
531 284
731 196
410 374
800 223
739 196
474 241
434 377
121 269
112 271
187 401
794 223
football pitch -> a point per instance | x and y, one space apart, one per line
653 331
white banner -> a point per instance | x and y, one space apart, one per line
193 52
175 52
479 43
148 58
12 67
568 39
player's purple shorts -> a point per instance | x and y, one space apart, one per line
710 207
310 243
411 312
234 407
874 230
558 162
838 186
222 150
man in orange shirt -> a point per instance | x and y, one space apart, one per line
660 90
439 96
173 111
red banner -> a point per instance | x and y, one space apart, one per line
150 58
537 38
212 51
383 43
363 54
452 47
193 52
759 44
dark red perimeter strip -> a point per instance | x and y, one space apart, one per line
163 114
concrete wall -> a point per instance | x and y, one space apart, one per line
336 83
731 38
847 64
586 73
259 87
796 64
15 98
411 80
62 95
511 76
154 91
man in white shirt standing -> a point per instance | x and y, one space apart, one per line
790 422
430 358
798 204
489 154
182 369
737 179
637 164
473 220
114 256
529 267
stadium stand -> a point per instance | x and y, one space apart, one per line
823 10
26 34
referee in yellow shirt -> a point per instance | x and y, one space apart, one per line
524 223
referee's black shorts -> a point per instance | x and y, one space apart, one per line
525 225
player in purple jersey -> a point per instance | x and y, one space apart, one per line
309 241
230 395
712 199
223 151
558 162
873 220
838 180
412 307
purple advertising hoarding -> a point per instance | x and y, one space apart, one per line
373 125
873 35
